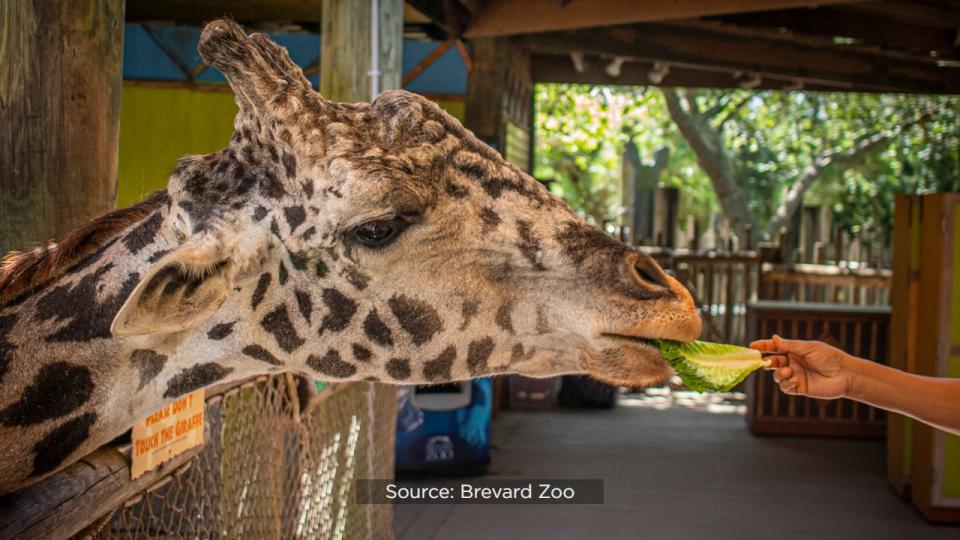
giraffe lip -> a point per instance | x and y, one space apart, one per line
651 342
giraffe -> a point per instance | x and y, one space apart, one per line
365 241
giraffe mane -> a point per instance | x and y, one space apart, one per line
22 272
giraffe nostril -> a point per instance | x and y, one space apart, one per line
646 271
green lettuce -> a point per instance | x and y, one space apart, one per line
710 367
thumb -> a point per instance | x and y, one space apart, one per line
794 346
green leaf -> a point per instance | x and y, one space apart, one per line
710 367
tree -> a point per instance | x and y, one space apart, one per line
755 156
703 130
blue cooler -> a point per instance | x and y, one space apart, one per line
445 428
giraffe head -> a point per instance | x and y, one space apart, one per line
383 241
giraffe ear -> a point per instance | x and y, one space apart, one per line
180 291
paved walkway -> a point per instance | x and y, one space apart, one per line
679 466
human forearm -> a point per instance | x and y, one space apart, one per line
935 401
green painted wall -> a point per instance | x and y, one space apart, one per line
160 124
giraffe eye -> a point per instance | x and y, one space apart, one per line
379 233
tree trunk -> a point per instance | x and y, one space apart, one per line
60 76
707 144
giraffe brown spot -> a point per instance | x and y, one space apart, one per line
438 369
194 377
529 244
468 311
321 269
361 353
490 220
331 364
417 318
289 165
376 330
457 191
274 228
6 348
282 274
259 213
221 331
341 310
57 390
304 304
52 450
355 278
259 353
503 319
298 261
307 234
295 216
517 353
307 186
88 318
277 322
477 355
143 234
148 363
543 325
157 255
398 368
261 290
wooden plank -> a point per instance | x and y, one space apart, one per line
241 10
345 62
508 17
867 29
60 76
712 50
64 504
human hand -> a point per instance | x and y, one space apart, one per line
808 368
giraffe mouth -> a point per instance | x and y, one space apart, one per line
650 342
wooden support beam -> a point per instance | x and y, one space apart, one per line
345 52
485 90
60 75
427 61
241 10
508 17
548 68
450 15
867 28
709 50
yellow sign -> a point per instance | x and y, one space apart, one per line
167 432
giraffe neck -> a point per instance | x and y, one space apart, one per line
67 386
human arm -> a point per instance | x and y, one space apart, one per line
815 369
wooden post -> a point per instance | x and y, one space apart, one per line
485 91
345 75
345 51
60 75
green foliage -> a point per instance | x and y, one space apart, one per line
770 137
710 367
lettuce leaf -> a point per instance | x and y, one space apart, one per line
710 367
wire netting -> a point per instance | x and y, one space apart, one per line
276 463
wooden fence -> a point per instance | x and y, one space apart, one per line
859 330
279 461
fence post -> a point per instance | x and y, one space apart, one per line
60 75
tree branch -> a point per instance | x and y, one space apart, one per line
821 165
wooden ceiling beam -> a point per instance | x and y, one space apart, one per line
241 10
703 49
929 14
868 29
548 68
509 17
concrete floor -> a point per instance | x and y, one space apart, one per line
678 466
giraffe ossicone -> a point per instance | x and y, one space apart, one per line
366 241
